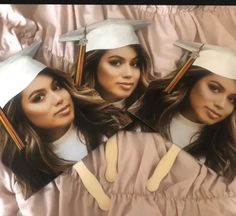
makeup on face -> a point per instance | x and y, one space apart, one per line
118 73
212 99
47 104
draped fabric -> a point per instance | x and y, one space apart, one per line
20 24
189 188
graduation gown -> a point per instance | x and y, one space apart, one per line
134 174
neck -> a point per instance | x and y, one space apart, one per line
55 134
189 115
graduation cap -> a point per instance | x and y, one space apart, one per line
106 34
16 73
217 59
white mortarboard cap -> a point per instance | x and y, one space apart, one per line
17 72
107 34
217 59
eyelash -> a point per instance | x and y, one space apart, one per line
118 63
38 98
115 62
232 100
136 64
214 88
56 86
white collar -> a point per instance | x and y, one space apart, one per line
183 130
71 146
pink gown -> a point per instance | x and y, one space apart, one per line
189 188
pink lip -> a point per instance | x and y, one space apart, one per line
63 111
126 85
213 113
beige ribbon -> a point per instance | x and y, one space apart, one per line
93 186
111 154
163 168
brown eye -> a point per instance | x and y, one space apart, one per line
115 63
136 63
214 88
232 100
38 97
56 86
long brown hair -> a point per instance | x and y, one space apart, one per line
92 59
217 142
37 164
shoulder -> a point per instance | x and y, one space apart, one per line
7 177
8 202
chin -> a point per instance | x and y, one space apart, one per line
64 123
123 96
208 121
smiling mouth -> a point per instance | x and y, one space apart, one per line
63 111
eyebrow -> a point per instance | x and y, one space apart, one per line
35 92
120 57
40 90
116 56
221 86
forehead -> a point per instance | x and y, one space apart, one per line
228 84
122 51
41 81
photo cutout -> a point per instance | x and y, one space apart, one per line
56 119
194 107
95 122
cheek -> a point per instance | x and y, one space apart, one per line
137 76
66 95
36 112
106 75
70 101
229 109
200 96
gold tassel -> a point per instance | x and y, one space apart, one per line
10 130
182 71
80 61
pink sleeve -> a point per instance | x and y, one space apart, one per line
8 203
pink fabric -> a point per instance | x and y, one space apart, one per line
8 203
23 23
189 188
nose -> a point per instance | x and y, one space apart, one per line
220 102
56 98
128 71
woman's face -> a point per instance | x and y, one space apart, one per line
212 99
118 73
47 104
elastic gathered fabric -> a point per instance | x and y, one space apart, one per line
189 188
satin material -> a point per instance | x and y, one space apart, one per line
190 188
21 24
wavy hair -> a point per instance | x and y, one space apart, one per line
217 142
37 164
